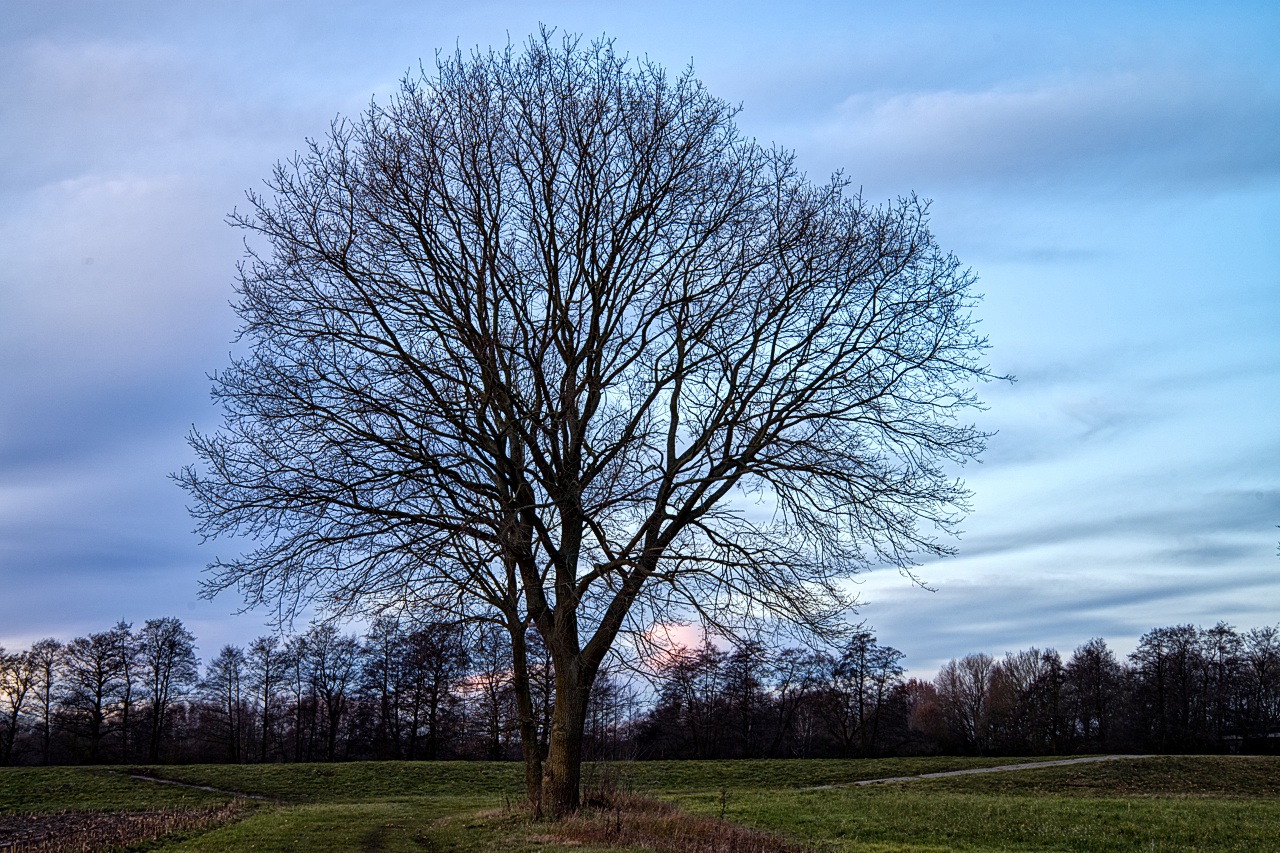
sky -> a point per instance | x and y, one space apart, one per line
1110 171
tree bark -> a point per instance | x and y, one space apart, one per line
530 748
562 771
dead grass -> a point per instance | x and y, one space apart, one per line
92 832
615 819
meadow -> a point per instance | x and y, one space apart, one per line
1164 803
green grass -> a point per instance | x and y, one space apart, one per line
54 789
1165 776
366 781
1155 804
356 782
663 777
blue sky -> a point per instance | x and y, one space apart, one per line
1111 171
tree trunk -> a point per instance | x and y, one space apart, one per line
530 748
562 771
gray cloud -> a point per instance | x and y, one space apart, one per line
995 613
1213 514
1175 130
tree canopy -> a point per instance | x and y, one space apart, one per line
546 339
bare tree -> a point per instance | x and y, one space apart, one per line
436 662
518 338
128 652
46 656
223 689
93 688
1093 683
167 659
964 692
267 665
858 687
19 676
1261 676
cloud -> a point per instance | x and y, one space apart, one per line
1172 130
1003 609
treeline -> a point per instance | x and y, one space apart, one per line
439 691
1184 689
443 691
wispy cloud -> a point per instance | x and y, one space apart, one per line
1169 129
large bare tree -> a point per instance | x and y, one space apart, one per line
544 339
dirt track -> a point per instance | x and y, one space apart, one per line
1001 769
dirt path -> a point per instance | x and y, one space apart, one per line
1001 769
161 781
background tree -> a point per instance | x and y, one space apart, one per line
19 677
519 336
128 653
1169 670
385 653
93 689
266 666
168 665
859 683
437 660
964 696
46 656
1261 687
222 690
1093 684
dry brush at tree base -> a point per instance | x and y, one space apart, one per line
616 819
519 341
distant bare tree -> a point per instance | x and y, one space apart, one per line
964 693
436 660
223 689
45 656
520 336
169 668
1261 673
1093 683
19 677
93 688
128 652
267 665
330 661
858 683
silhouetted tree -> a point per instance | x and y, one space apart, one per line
1260 674
45 656
1093 683
859 682
518 336
266 667
222 689
19 677
166 656
93 689
964 694
1169 673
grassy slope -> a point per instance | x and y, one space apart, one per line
1171 803
55 789
361 782
1168 803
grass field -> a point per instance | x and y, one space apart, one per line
1151 804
